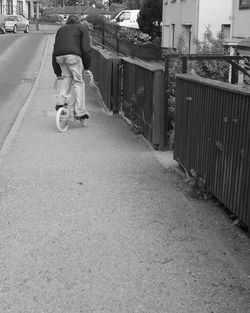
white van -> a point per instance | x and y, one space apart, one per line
127 18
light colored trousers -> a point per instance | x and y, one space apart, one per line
72 69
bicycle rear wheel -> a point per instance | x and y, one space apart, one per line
62 119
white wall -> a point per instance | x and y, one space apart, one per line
178 13
240 21
214 13
198 13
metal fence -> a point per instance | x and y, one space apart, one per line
212 137
232 67
212 121
105 68
133 87
143 98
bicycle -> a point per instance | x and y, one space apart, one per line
66 114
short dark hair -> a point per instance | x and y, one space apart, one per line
72 19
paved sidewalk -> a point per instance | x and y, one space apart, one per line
91 221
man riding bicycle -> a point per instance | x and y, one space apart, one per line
71 55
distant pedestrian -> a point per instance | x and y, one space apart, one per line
71 55
90 28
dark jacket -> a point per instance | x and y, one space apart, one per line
72 38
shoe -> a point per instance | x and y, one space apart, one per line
58 106
83 117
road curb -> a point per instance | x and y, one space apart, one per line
13 131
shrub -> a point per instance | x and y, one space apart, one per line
96 20
150 16
134 35
212 69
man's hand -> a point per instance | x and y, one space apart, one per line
88 74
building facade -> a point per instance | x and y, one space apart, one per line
28 8
190 18
240 28
241 19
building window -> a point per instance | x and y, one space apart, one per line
20 7
244 4
9 4
225 30
187 34
173 35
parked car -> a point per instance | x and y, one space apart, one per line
14 23
2 24
127 18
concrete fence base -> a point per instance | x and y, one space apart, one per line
44 27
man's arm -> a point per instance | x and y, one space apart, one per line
86 50
56 66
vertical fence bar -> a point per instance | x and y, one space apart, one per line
158 109
120 83
166 100
132 49
117 40
103 34
184 64
234 75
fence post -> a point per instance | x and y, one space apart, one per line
158 135
132 49
234 75
120 83
115 86
165 110
103 34
118 45
117 40
184 65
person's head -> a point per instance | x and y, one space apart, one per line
88 25
72 19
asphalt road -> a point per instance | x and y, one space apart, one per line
20 59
